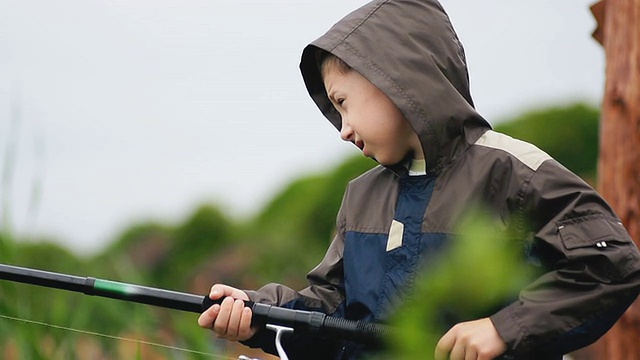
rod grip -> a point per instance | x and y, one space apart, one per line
207 303
263 314
313 321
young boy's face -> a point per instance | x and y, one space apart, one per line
369 118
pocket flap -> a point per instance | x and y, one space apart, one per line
589 230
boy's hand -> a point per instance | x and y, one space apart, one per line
230 320
473 340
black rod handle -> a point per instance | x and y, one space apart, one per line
314 322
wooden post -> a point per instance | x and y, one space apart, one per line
619 160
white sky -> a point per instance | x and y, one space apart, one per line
117 111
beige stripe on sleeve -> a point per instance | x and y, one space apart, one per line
527 153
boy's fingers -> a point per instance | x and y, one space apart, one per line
221 324
458 352
207 318
220 290
246 331
444 346
233 327
470 354
229 319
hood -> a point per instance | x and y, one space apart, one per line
410 51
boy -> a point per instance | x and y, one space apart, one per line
392 78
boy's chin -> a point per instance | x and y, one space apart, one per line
385 161
382 158
391 161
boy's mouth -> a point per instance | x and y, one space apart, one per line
364 149
359 144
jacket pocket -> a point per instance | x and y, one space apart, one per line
602 243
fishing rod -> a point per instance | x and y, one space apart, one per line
263 314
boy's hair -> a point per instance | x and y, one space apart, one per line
327 61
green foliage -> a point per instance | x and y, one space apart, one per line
308 206
47 255
204 232
136 234
569 134
298 224
22 340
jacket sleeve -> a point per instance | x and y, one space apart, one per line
593 268
325 294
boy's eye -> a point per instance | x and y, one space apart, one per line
340 101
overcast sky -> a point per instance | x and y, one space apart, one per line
117 111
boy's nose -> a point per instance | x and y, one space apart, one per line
346 133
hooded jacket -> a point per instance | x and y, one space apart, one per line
410 51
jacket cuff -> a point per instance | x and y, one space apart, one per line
511 330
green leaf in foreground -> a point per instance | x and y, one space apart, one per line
481 270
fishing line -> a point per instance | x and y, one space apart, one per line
113 337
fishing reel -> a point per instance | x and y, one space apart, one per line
280 330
